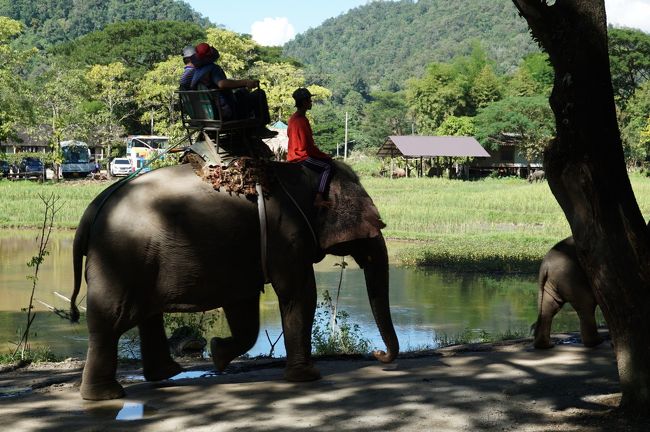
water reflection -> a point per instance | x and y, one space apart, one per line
426 304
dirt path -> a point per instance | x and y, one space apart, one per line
507 387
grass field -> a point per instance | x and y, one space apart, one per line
490 225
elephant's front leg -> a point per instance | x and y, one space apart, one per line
297 306
588 325
157 363
244 322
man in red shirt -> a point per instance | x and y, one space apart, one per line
302 148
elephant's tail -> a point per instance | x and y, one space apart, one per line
78 248
543 278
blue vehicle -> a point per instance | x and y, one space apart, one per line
4 168
31 167
76 159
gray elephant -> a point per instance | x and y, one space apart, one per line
561 280
536 176
168 241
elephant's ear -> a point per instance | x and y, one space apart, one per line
352 215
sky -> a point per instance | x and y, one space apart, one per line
274 22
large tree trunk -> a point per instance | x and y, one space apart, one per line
586 172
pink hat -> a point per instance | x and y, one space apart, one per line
203 51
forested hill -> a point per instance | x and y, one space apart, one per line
387 42
49 22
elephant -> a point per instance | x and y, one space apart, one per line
169 241
536 176
561 280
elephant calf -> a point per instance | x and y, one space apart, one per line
561 280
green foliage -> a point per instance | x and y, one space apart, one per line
634 126
384 43
473 336
629 54
530 119
37 355
136 44
440 93
279 80
237 52
486 87
50 22
364 165
109 84
332 332
16 107
155 96
386 114
200 323
457 126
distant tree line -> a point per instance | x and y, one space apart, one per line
109 83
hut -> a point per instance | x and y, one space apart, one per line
420 147
280 143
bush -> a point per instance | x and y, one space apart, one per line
338 335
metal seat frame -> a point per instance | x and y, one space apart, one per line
201 113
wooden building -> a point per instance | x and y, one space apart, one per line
420 147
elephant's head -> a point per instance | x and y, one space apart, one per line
352 226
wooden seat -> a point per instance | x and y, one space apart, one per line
202 112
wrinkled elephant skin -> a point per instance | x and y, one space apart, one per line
562 280
168 242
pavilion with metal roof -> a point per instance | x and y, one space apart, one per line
418 147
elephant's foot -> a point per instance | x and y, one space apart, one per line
301 373
543 344
592 341
161 371
221 355
103 391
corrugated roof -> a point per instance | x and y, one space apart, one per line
432 146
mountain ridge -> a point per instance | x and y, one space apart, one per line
384 43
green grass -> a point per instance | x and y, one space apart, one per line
496 225
21 207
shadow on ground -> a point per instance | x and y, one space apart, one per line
510 387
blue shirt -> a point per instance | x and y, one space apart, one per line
186 78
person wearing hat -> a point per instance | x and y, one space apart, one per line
241 104
188 71
303 150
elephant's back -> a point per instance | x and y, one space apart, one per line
167 230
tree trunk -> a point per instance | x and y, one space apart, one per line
586 171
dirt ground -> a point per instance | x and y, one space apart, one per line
499 387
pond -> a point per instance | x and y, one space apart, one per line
427 305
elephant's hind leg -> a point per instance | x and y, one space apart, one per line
157 364
244 322
549 304
98 381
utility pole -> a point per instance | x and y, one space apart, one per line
345 154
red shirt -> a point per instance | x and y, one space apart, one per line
301 140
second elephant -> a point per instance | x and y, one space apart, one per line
562 280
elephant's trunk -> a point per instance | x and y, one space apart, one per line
374 261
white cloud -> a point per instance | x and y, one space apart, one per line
272 31
629 13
